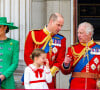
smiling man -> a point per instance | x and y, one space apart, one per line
51 42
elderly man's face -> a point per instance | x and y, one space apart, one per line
82 35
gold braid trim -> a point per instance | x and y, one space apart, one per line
53 70
49 37
78 55
46 39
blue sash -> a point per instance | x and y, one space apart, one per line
57 37
82 63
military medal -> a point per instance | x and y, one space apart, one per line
96 61
56 42
55 50
95 51
59 43
93 67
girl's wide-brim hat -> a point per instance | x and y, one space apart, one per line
3 21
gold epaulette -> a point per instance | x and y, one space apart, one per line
53 70
36 42
56 37
45 40
76 43
35 29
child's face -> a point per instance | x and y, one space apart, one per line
41 59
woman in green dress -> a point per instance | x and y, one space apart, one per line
9 55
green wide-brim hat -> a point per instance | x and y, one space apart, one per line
3 21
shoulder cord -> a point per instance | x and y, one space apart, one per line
46 39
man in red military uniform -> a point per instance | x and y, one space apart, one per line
51 42
83 60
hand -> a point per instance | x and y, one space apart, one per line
98 84
67 59
2 77
47 63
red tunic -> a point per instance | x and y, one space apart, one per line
57 56
90 67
